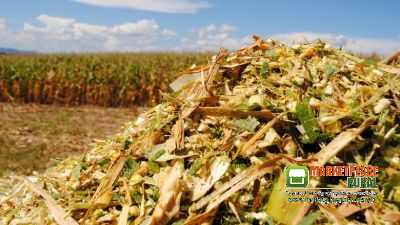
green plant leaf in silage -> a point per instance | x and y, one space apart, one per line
131 166
156 152
291 94
271 54
249 124
310 218
104 162
309 122
358 114
155 193
116 197
196 165
264 69
153 167
127 143
57 195
329 69
81 192
394 182
136 198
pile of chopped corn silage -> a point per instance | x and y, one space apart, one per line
215 151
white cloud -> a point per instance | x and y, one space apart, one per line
3 31
355 44
54 23
212 37
206 30
2 24
227 28
139 28
81 29
65 34
168 6
57 34
54 28
168 33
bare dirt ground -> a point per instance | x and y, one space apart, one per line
32 135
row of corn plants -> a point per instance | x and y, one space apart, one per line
112 79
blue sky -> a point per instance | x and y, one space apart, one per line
195 25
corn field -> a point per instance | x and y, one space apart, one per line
110 79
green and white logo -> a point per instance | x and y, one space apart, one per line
297 176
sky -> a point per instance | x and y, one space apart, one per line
196 25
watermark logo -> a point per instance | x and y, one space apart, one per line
297 176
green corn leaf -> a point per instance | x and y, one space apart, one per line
131 166
309 122
264 69
249 124
196 165
310 218
153 167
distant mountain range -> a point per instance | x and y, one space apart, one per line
15 51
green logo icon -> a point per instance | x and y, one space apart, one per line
297 176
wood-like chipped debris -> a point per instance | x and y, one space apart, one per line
215 150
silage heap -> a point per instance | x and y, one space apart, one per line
214 151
